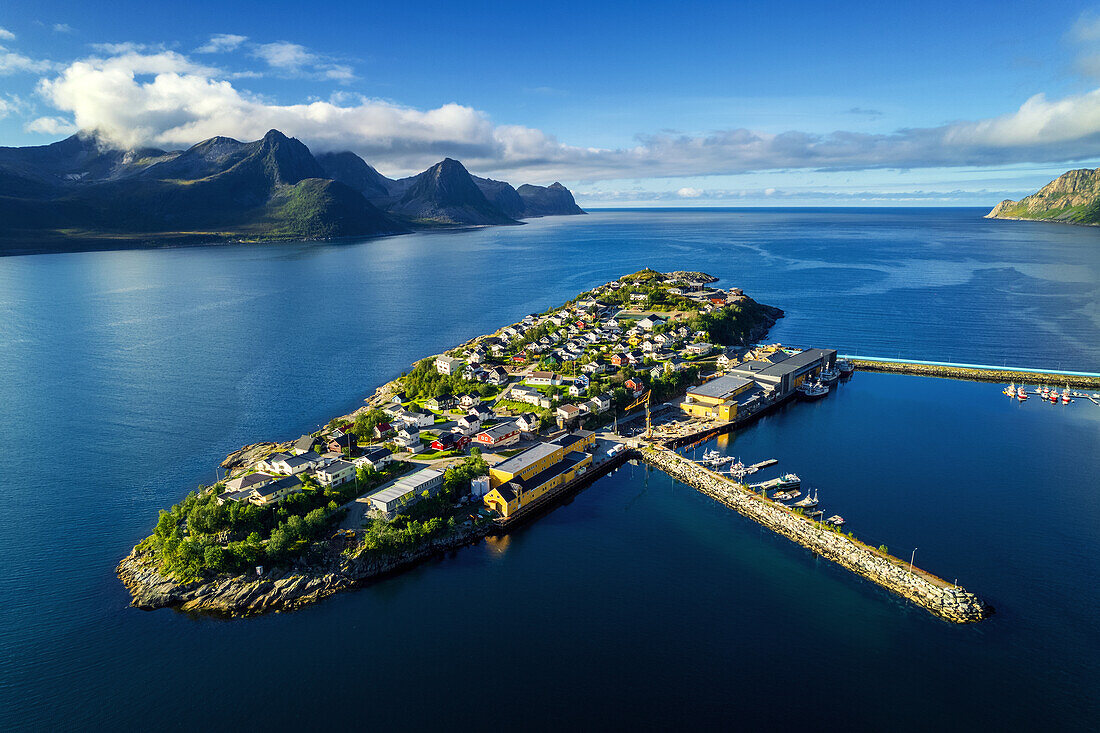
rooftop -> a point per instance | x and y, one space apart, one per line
519 462
721 388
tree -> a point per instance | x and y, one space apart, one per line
214 558
365 422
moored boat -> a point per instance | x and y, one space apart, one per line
836 520
829 376
846 367
789 481
815 391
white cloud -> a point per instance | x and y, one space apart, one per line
13 63
292 59
163 98
222 43
62 28
6 35
1087 27
689 193
51 126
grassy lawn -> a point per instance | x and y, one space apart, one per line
431 455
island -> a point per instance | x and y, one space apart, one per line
495 432
1071 198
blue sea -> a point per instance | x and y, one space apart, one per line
126 376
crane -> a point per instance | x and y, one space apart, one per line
643 400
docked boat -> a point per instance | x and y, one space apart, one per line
836 520
1020 393
845 367
789 481
814 391
829 376
1065 395
1010 390
808 503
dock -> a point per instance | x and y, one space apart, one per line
945 600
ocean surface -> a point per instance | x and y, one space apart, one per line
126 376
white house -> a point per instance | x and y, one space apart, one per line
598 404
469 424
529 422
336 473
568 413
546 379
374 458
650 321
446 365
409 439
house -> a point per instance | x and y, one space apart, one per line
469 424
498 376
520 393
374 458
482 412
382 429
268 464
336 473
304 444
575 389
283 463
407 490
529 422
442 402
473 374
496 348
568 413
724 361
656 372
469 400
636 386
650 321
476 356
499 436
240 488
409 438
417 418
593 368
598 404
541 378
275 491
450 441
700 349
342 443
635 297
446 365
635 357
619 359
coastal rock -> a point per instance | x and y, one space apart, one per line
1071 198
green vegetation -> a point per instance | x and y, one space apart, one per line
198 536
734 323
424 382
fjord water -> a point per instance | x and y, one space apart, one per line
126 376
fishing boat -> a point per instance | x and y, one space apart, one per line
1020 393
829 376
1046 389
836 520
789 481
1065 395
846 367
808 503
1010 390
814 391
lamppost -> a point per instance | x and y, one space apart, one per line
911 558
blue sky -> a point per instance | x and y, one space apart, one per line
628 104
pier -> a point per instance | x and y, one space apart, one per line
937 596
975 372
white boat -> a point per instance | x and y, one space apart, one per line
815 391
836 520
846 367
808 503
789 481
1010 390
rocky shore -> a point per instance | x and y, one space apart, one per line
977 375
937 596
277 589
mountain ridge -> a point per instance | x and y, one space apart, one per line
1071 198
82 193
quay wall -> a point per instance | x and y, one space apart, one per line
978 374
935 595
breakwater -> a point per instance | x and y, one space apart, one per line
934 594
977 373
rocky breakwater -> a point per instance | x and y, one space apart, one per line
276 589
939 597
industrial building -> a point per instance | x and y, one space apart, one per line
525 477
407 490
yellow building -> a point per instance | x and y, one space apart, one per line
715 399
534 472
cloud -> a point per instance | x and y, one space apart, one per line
164 98
51 126
1087 28
62 28
222 43
864 112
293 59
689 193
6 35
14 63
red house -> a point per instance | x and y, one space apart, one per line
620 359
635 385
451 441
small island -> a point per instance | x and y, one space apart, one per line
1071 198
443 455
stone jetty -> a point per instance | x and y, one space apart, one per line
937 596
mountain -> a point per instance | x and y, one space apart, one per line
85 193
350 169
446 194
552 200
1071 198
501 195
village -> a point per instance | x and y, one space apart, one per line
544 400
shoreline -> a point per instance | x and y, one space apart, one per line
975 374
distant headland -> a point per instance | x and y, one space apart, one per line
1071 198
85 193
